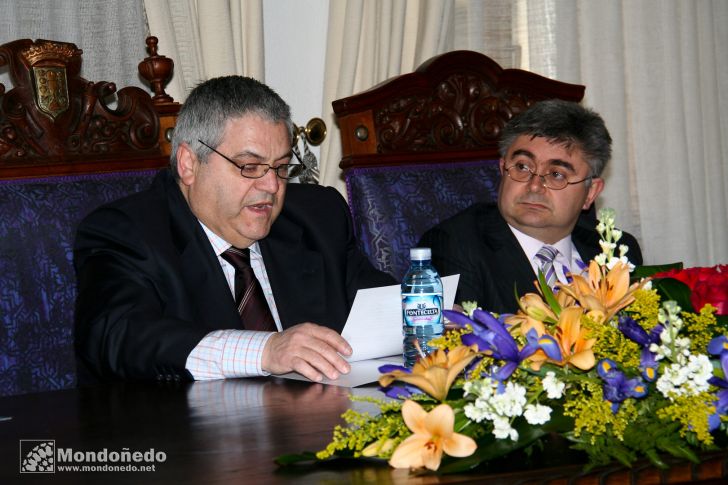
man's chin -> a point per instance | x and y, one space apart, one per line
534 220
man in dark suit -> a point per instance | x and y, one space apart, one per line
164 277
552 157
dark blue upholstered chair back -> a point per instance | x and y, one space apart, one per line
393 206
38 220
64 151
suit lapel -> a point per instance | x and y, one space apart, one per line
508 258
586 242
296 274
199 267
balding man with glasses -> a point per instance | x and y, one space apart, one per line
209 274
552 158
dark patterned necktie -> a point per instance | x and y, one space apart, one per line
545 257
252 307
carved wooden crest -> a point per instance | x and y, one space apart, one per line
47 61
51 90
52 115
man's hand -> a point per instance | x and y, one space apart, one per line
309 349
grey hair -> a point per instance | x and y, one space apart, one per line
211 104
566 123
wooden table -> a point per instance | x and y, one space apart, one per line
231 431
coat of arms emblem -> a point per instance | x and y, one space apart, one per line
48 61
51 90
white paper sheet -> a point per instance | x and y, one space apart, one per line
374 326
374 331
362 372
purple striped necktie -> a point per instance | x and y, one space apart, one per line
545 257
249 298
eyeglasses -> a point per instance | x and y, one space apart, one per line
257 170
555 179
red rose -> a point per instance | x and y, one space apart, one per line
707 285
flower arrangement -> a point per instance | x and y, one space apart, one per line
609 364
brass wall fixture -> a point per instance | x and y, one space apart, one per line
314 132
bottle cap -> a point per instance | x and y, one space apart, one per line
420 254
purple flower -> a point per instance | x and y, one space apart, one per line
617 387
633 331
719 346
491 335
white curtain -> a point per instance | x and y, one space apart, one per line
657 70
111 34
208 38
488 27
368 42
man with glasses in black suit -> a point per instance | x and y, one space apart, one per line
221 268
552 158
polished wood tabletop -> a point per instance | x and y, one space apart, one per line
231 431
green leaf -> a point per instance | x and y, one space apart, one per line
622 454
548 294
558 422
679 450
490 448
722 321
647 271
672 289
306 457
656 460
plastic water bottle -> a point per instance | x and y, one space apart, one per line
421 306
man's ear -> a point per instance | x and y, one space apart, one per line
502 167
596 187
187 164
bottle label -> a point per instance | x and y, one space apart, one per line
421 308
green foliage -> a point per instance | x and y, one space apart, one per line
490 449
646 271
672 289
645 437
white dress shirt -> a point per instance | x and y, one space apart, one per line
232 352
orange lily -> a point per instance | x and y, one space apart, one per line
435 373
432 436
603 294
575 348
533 308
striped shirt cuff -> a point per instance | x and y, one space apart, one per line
228 353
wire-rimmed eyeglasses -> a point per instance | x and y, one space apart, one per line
554 179
258 170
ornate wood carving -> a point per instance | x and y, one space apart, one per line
54 121
456 103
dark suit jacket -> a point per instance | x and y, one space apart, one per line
478 244
150 287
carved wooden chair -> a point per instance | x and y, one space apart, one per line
423 146
63 152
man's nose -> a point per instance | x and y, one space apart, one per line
536 184
269 182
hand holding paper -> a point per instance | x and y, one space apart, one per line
374 331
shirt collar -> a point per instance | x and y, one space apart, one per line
531 245
219 245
